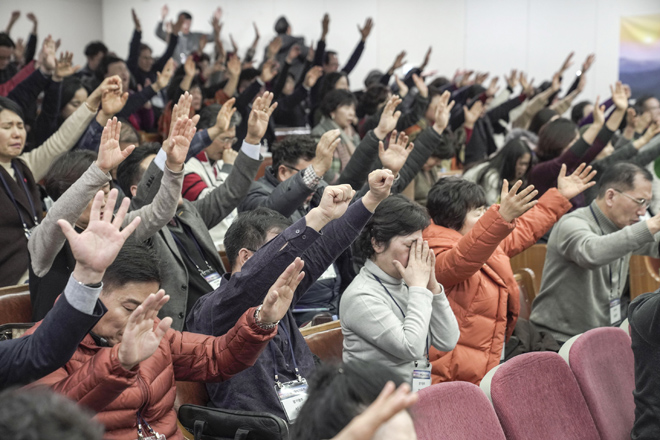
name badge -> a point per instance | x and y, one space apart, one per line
213 278
292 396
156 436
329 273
615 311
421 376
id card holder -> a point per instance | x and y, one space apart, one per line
421 376
292 396
155 436
615 311
213 278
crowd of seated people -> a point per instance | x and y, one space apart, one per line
158 245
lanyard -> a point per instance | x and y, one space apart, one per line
26 230
185 252
140 421
614 293
426 353
283 329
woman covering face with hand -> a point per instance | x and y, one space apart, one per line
395 309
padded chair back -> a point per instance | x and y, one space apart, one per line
268 161
534 259
603 365
536 396
16 307
456 411
326 341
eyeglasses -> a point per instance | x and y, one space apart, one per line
291 168
227 140
641 202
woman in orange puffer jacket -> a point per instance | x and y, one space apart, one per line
473 246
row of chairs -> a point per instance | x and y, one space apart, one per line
584 392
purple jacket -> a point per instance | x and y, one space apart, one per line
216 312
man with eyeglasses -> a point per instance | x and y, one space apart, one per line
585 275
210 168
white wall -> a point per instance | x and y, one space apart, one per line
534 35
76 22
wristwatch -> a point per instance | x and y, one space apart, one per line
264 325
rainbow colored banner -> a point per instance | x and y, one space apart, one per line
639 58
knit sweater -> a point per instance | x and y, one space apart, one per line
375 330
585 267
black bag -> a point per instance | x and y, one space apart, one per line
225 424
14 331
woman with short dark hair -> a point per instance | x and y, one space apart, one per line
472 245
395 309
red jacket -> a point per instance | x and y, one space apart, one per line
94 378
476 274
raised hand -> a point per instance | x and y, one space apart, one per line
397 152
136 21
189 67
229 156
33 18
480 77
178 143
15 15
598 112
389 117
234 66
325 149
203 39
279 297
418 270
140 339
427 58
97 246
442 112
512 79
566 64
112 98
312 76
223 120
64 67
580 180
380 185
96 98
492 87
556 82
619 96
421 86
582 83
399 61
274 47
164 11
260 114
335 201
514 205
472 114
325 26
47 58
528 86
588 62
366 30
293 54
387 405
110 154
163 77
401 85
268 71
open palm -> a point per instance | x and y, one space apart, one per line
279 297
141 339
580 180
110 154
397 152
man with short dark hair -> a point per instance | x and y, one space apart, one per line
318 238
586 266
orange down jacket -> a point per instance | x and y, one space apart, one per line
94 378
476 273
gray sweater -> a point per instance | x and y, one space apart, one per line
375 330
577 286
